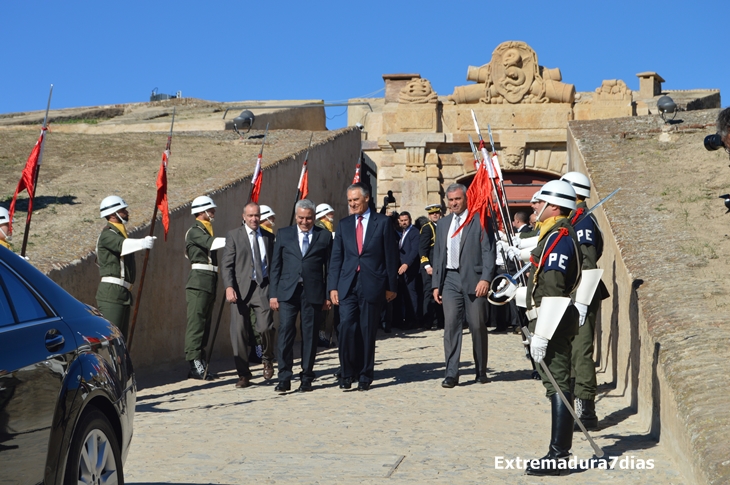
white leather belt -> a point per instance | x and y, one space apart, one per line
532 314
206 267
115 281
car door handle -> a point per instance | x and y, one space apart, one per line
54 340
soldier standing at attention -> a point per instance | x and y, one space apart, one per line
116 266
5 228
200 246
433 313
587 300
554 276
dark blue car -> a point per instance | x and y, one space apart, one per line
67 388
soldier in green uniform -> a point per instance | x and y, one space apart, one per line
555 273
200 246
324 218
587 300
116 263
5 228
433 313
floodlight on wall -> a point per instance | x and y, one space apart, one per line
666 106
243 121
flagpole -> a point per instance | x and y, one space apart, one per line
301 178
35 176
147 251
257 174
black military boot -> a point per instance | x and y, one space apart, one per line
197 370
586 411
561 440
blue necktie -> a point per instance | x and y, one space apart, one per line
305 243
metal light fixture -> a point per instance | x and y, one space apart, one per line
667 106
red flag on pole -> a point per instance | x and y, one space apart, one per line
303 186
161 201
27 178
356 178
256 181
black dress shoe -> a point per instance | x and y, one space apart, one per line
283 387
481 379
305 386
450 382
346 383
363 386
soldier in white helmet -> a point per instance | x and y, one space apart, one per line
587 300
325 218
268 218
5 228
555 273
116 262
200 249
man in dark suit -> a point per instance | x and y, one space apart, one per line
298 287
433 314
363 275
463 266
245 271
407 273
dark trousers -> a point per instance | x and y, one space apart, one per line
459 305
433 313
200 310
311 316
558 353
407 306
359 321
258 300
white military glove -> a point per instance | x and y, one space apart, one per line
516 240
513 252
583 311
132 245
538 348
219 242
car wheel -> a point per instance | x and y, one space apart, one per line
94 456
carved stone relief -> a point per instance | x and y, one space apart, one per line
514 157
418 91
415 159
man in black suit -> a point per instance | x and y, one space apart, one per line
463 266
245 272
298 286
363 275
407 273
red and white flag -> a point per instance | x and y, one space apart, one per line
27 178
161 201
356 178
303 186
256 181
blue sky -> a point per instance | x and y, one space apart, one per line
117 52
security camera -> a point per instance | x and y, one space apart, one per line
360 126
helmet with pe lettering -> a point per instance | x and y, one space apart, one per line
110 205
558 192
202 204
580 183
266 212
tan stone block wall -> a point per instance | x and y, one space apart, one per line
160 331
626 353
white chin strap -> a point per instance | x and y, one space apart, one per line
210 218
7 238
542 210
121 218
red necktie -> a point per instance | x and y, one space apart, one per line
358 234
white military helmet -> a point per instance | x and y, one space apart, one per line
580 183
558 192
266 212
202 204
110 205
323 210
534 197
4 216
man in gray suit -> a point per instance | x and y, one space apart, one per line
245 272
463 266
